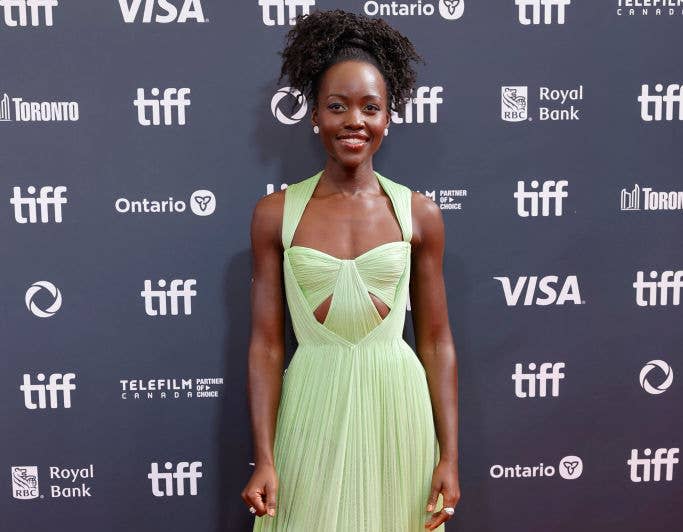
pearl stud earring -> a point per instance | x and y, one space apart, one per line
316 129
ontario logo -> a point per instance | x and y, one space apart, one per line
448 9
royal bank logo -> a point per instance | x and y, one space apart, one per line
661 106
180 293
25 482
541 11
644 8
24 12
448 9
569 468
650 467
288 105
630 200
553 104
202 203
665 380
549 198
163 483
39 291
33 111
171 107
59 385
281 12
658 292
161 11
541 291
174 388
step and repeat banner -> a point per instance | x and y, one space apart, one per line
136 137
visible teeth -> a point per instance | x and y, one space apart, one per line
354 141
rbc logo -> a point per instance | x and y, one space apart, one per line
166 12
646 469
292 7
27 7
541 5
173 98
25 482
58 383
174 294
551 191
671 100
568 292
548 371
180 474
47 197
514 103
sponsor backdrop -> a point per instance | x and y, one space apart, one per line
137 135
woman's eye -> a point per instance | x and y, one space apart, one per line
334 106
372 108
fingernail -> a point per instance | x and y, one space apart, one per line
430 507
271 512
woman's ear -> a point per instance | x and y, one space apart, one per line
314 115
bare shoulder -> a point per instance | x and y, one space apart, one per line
427 219
266 222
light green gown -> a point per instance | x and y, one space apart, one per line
355 443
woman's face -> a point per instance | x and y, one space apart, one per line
352 112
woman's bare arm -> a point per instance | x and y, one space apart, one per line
434 344
266 346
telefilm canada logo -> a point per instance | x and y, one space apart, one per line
15 109
569 468
289 106
161 11
535 12
645 198
63 482
282 12
173 388
649 8
554 105
449 200
448 9
24 12
202 203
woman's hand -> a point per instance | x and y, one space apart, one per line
261 490
444 481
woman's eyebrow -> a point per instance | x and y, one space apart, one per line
371 95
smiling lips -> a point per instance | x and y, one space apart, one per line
353 142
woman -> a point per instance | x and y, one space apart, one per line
359 435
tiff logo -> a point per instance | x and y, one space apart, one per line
48 196
426 97
672 99
646 291
552 191
546 285
173 294
58 384
180 474
25 8
525 383
293 6
646 469
173 98
541 5
166 12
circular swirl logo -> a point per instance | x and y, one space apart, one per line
288 93
661 387
31 296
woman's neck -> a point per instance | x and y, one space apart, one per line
349 180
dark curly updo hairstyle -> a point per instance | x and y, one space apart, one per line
322 38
